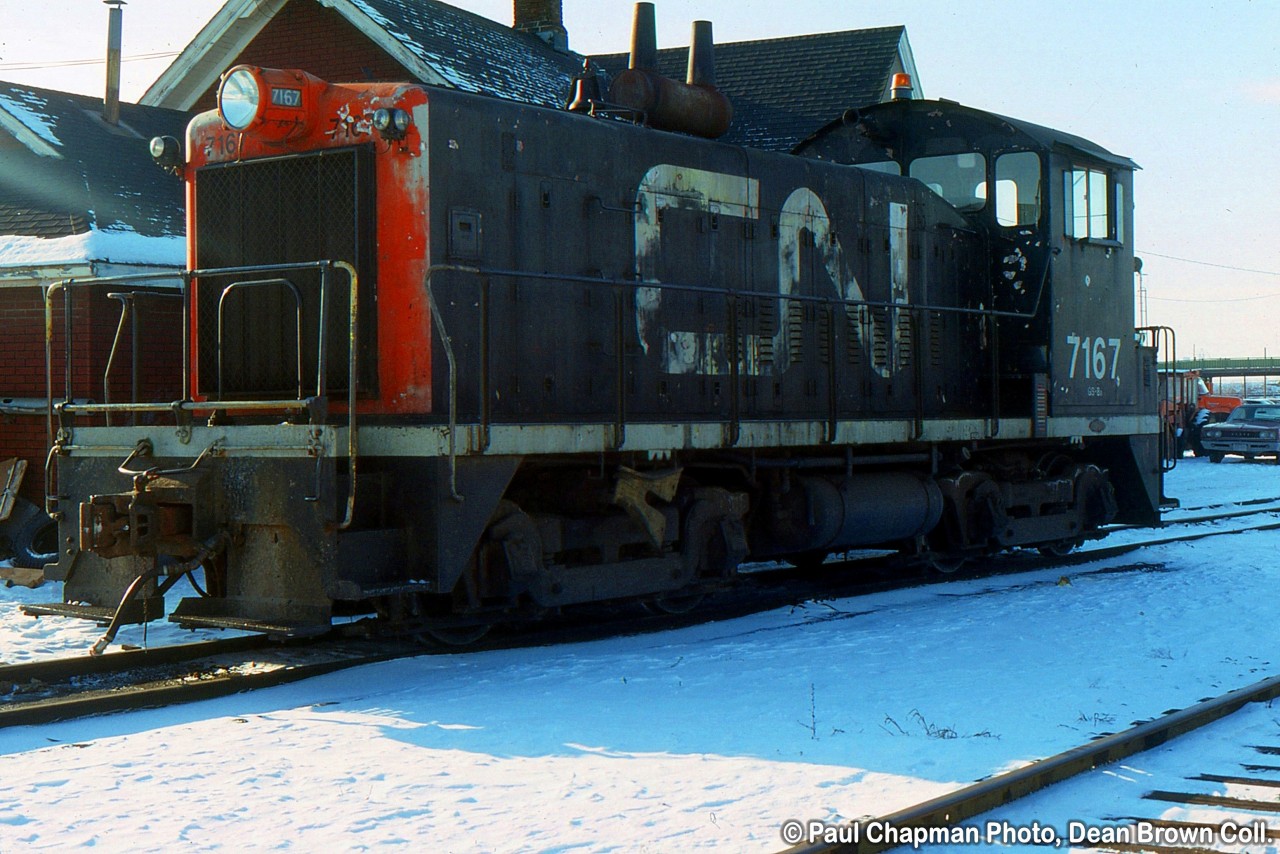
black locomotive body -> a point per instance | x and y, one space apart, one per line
589 360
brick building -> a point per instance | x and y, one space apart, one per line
80 197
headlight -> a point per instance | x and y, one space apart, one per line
391 124
239 98
166 152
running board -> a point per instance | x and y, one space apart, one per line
136 611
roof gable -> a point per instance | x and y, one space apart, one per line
65 172
433 42
784 89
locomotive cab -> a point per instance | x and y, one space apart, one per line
1054 210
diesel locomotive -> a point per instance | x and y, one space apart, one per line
457 360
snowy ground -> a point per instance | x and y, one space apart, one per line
708 737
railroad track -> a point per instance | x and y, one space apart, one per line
1213 512
1182 531
66 688
948 816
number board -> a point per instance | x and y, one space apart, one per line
286 97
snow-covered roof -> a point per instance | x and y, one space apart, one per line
434 42
115 246
75 189
475 54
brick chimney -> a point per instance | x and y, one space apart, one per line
543 18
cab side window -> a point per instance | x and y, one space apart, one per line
1094 205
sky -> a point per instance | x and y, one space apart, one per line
1189 89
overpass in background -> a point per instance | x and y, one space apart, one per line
1249 367
1264 372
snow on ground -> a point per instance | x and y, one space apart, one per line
706 737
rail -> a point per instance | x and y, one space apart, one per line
951 809
65 407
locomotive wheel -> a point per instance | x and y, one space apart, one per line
1061 548
675 604
947 564
807 561
455 635
410 615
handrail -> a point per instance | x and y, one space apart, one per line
297 323
126 304
447 342
129 311
353 373
1165 341
730 296
66 408
66 285
51 439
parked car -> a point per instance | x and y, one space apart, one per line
1251 430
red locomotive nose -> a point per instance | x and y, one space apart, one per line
270 102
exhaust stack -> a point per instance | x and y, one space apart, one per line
115 25
644 39
695 107
702 56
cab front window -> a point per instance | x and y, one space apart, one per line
1018 188
961 179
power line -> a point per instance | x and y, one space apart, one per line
1211 264
1215 300
70 63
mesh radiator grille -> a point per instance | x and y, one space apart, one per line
283 210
